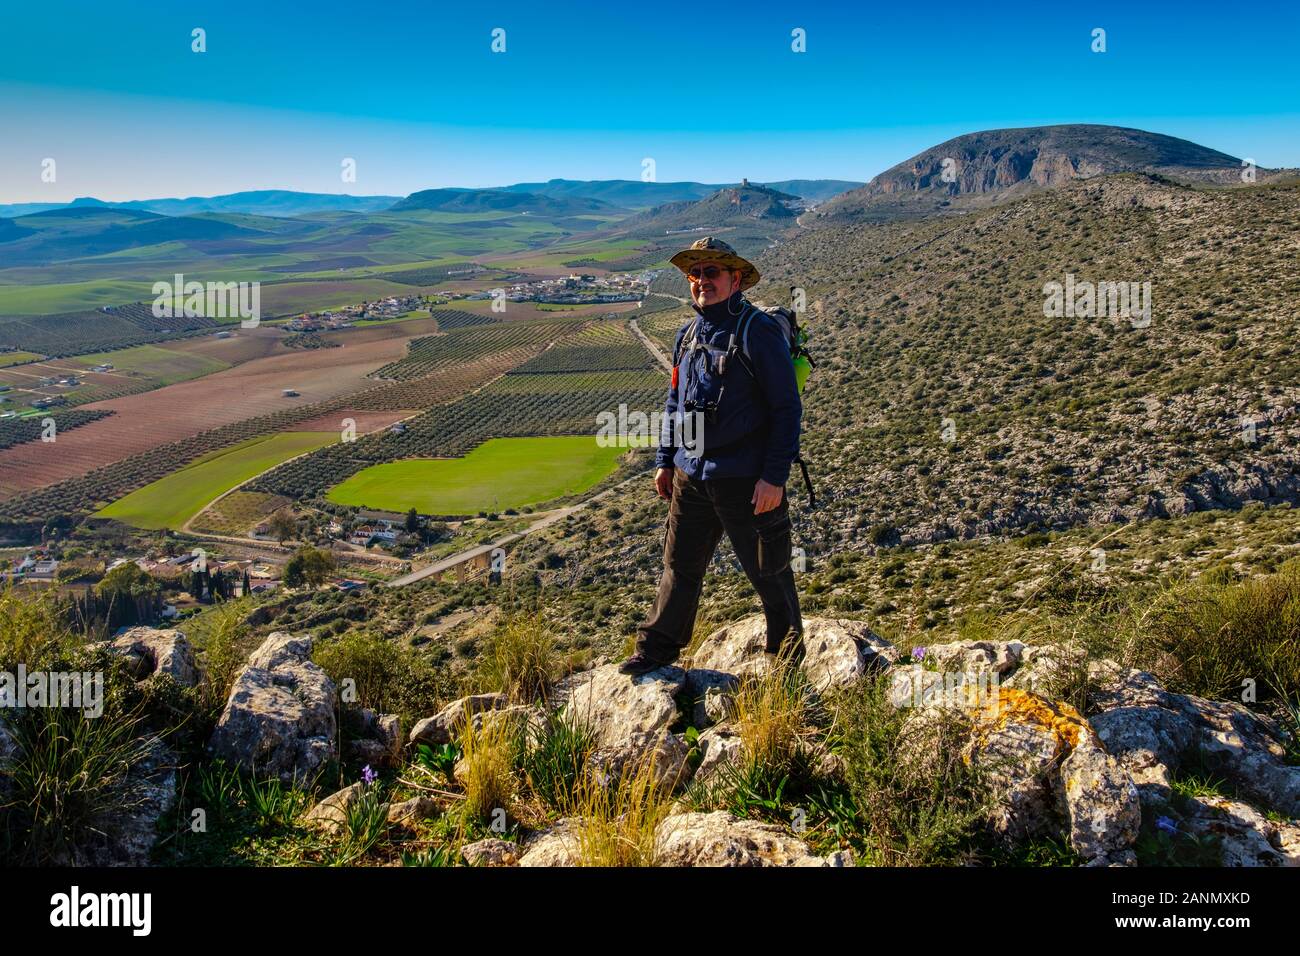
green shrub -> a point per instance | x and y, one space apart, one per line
390 678
520 661
1210 638
556 757
919 802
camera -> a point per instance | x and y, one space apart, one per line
708 409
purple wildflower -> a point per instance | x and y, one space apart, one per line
918 653
1166 824
368 775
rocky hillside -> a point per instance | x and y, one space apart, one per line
948 412
1012 753
979 168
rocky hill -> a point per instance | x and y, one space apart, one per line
745 205
980 168
946 407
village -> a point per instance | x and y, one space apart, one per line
332 319
573 289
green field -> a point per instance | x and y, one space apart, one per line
165 366
70 296
17 358
500 473
171 501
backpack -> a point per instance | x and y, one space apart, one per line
796 337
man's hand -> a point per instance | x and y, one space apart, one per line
766 496
664 482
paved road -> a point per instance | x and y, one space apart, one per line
551 517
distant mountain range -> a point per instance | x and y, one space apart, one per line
634 194
262 202
506 200
567 197
990 166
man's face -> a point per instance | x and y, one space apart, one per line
711 282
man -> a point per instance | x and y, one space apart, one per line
734 479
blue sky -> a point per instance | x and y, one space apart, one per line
413 93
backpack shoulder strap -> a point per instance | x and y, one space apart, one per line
746 320
689 333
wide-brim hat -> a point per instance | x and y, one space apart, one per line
710 249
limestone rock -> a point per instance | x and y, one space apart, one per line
491 852
557 846
1055 776
711 695
131 830
1102 810
1152 732
719 839
629 718
152 651
1246 837
836 652
412 811
331 813
446 725
279 719
718 746
376 738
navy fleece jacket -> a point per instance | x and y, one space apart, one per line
757 429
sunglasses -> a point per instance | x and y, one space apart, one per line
708 272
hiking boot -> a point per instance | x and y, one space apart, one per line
639 664
791 653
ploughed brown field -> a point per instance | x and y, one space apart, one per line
367 421
253 388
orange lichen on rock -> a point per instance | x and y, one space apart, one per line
1020 706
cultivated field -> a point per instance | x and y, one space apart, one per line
498 474
238 513
16 358
172 501
145 421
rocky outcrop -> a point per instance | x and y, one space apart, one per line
491 852
692 839
331 813
1010 161
1055 778
279 719
1153 733
407 813
1050 773
148 795
151 651
719 839
836 652
555 846
719 746
630 718
446 725
1243 835
710 695
374 739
